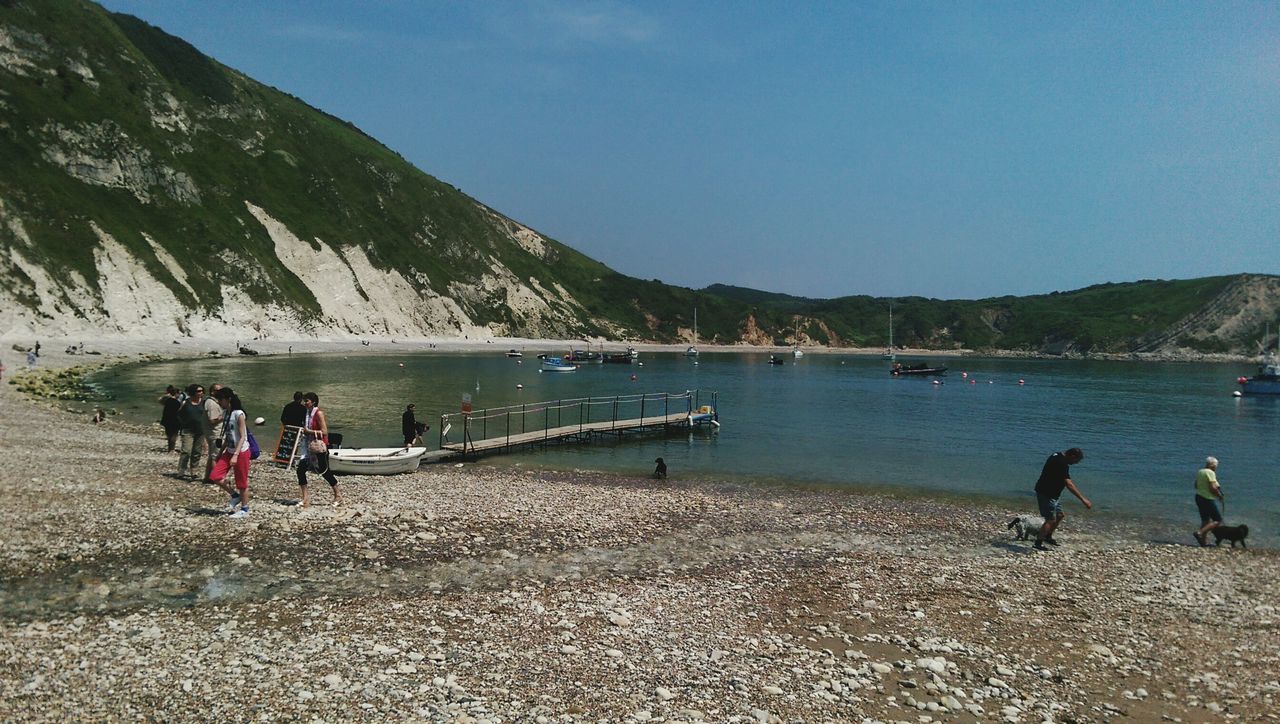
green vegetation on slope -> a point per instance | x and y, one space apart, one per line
115 123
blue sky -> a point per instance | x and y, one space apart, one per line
951 150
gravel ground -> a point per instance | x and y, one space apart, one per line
477 592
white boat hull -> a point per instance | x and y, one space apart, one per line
558 367
375 460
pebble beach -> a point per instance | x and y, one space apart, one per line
478 592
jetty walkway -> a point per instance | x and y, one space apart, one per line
501 429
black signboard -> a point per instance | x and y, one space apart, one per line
288 447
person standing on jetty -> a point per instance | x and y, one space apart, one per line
170 404
235 453
1054 477
316 450
1207 488
195 425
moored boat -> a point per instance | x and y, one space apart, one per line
920 369
619 358
514 353
558 364
582 356
692 350
375 460
1266 382
776 360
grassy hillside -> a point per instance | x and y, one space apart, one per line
110 124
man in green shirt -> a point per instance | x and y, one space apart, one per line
1207 490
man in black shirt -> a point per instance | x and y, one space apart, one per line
294 414
1056 476
409 427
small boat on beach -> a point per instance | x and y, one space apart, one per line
558 364
920 369
374 460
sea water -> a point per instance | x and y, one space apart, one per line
824 419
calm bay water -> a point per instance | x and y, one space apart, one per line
824 420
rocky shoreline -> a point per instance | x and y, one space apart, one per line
146 348
485 593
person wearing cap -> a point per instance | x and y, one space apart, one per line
1207 489
1054 478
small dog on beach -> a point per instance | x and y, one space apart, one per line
1026 526
1233 533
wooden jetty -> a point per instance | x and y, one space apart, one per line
502 429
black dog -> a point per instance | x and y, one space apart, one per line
1232 533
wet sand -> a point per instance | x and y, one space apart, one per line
490 593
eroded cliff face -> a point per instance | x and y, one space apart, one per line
355 297
150 191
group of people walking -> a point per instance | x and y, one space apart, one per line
210 433
211 436
1055 477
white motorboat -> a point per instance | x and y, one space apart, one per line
514 353
374 460
558 364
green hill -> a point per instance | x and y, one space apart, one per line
150 191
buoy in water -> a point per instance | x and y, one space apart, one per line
937 382
1236 393
964 374
519 387
633 378
259 421
1022 382
402 364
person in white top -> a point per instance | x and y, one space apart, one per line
235 453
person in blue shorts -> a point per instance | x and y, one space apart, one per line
1054 478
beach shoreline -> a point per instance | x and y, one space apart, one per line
491 593
53 348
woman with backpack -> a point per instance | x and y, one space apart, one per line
235 453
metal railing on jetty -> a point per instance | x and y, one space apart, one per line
577 420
